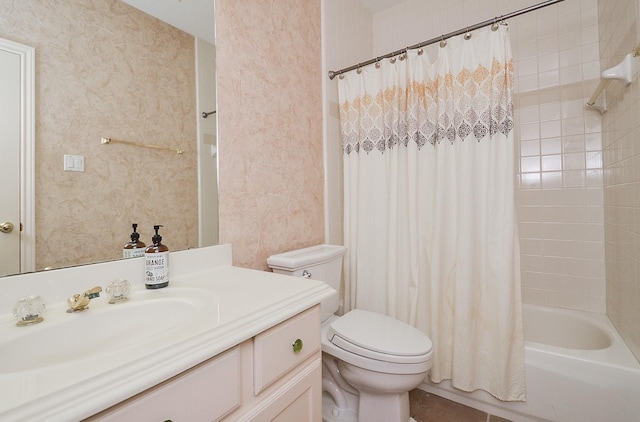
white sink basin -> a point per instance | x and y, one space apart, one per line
150 316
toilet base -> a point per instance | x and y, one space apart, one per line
330 412
387 407
347 415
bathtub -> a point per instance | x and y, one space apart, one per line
577 369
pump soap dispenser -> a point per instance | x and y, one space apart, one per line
156 263
134 248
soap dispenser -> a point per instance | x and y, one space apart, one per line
134 248
156 263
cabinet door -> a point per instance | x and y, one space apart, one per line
204 393
301 409
298 400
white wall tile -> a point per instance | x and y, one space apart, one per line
619 27
533 296
573 143
551 179
551 162
551 146
550 129
532 147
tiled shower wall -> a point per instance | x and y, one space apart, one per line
621 156
560 196
559 162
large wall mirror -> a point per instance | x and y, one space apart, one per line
116 69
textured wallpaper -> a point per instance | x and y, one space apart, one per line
269 127
105 69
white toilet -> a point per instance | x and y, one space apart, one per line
370 361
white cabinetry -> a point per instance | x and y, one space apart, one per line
274 376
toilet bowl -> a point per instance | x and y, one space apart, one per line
370 361
381 358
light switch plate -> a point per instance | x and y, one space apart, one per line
73 162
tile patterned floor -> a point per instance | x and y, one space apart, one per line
426 407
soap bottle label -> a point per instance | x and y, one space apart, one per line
133 252
156 268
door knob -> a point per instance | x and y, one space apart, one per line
6 227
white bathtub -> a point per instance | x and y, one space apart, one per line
577 369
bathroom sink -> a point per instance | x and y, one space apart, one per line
148 317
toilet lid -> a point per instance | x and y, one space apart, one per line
378 336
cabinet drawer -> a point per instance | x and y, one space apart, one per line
281 348
204 393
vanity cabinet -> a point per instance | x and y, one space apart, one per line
203 393
273 376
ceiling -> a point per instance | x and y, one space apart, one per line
195 17
375 6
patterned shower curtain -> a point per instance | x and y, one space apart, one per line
429 205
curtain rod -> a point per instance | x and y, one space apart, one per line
333 74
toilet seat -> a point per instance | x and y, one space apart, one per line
376 336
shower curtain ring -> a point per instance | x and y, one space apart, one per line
467 36
377 62
404 55
443 43
420 51
359 69
495 25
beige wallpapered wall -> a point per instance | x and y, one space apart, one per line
269 127
104 69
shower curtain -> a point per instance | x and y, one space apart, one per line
429 205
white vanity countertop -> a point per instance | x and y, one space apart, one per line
243 303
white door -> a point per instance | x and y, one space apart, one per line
9 162
17 128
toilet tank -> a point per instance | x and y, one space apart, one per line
320 262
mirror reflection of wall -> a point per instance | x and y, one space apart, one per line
105 69
207 134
